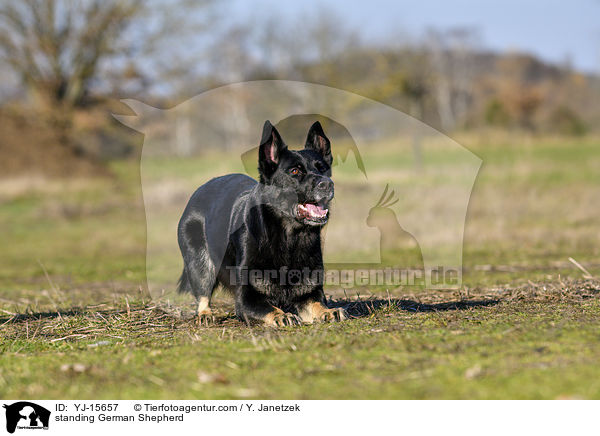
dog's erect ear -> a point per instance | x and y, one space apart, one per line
269 152
317 141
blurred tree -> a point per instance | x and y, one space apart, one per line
70 55
520 88
55 46
566 121
61 48
452 59
496 114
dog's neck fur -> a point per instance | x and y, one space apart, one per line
287 237
290 238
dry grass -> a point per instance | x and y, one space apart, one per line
128 316
533 341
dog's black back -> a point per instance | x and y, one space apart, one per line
262 240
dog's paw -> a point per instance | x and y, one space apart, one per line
332 315
205 318
282 319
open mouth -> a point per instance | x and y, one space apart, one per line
312 213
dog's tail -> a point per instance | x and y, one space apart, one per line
184 285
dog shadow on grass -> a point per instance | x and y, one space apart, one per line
36 316
366 307
356 308
85 315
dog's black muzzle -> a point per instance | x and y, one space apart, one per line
323 191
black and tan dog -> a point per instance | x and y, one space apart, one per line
262 241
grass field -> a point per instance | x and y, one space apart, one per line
525 323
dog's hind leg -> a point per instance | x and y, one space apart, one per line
202 288
199 275
203 282
205 313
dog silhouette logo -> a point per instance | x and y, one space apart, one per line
26 415
372 146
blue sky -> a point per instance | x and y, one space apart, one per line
553 29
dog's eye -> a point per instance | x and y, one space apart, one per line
294 171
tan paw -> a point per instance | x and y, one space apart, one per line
206 318
205 314
331 315
282 319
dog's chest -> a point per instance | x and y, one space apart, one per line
288 268
294 252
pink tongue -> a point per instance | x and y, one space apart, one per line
316 210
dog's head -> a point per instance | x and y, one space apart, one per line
299 180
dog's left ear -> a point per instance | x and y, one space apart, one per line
271 147
317 141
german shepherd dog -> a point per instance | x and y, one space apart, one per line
262 240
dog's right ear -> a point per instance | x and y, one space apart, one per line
269 152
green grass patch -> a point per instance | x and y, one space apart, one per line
534 342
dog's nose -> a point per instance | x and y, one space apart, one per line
325 185
324 189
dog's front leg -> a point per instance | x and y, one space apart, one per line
251 305
312 308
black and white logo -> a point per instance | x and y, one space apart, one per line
26 415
